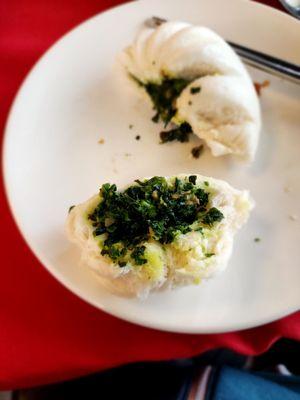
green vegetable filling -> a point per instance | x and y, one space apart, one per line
150 209
163 96
180 133
138 255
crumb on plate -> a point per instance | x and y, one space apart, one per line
70 209
259 86
197 151
293 217
195 90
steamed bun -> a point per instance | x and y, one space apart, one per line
224 110
192 254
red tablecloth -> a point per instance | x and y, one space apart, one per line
46 333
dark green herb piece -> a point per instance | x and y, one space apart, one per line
181 134
209 255
150 209
154 22
122 264
155 118
213 215
99 230
206 183
196 151
195 90
136 80
70 209
257 239
138 255
202 197
192 179
137 137
114 252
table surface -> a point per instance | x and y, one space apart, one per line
47 333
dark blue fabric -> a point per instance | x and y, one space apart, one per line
290 382
234 384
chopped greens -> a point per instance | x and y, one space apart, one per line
152 209
193 179
163 96
212 216
209 255
180 133
138 255
70 209
197 151
195 90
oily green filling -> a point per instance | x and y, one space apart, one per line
163 96
150 209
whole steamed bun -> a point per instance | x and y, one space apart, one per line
225 112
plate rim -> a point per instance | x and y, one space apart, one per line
64 281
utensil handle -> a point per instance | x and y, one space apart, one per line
268 63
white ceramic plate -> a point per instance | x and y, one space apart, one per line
52 159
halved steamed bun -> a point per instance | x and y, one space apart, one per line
219 101
158 233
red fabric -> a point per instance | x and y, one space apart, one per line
46 333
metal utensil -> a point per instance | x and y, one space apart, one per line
292 6
267 63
